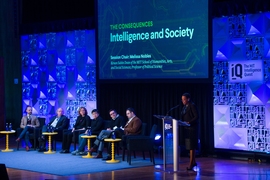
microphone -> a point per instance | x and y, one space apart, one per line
172 109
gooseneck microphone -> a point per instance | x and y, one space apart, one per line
172 109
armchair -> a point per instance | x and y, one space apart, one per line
125 137
142 143
59 136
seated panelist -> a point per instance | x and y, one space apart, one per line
57 123
28 122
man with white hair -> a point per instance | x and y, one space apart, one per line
57 123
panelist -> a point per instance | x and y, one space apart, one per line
58 123
96 125
80 125
117 121
131 128
28 122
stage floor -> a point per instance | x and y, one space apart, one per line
208 168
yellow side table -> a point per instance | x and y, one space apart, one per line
113 160
7 140
49 134
88 145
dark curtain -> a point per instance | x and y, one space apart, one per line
2 95
11 100
149 99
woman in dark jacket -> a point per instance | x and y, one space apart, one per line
189 114
80 125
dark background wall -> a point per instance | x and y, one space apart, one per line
11 67
148 98
29 17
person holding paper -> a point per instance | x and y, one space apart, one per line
133 127
80 125
58 123
189 114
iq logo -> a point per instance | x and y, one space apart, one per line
167 126
245 71
237 71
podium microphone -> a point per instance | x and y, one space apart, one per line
172 109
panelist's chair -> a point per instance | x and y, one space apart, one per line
142 143
59 136
75 137
32 136
126 137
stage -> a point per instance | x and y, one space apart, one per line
208 168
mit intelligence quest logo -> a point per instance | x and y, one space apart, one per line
246 71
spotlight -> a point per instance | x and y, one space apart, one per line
157 137
158 142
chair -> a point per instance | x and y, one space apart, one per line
106 123
76 137
33 136
142 143
59 136
129 136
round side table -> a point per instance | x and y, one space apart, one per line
7 140
49 134
113 160
88 145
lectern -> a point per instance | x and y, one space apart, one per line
170 137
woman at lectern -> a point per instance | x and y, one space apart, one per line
189 114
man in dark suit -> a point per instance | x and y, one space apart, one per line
58 123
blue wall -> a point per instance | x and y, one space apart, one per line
59 70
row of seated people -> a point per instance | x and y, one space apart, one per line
30 124
60 124
116 122
119 126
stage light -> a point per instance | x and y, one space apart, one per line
157 137
158 143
